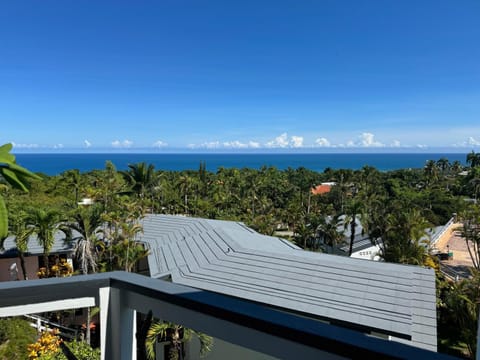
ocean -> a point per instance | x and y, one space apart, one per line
54 164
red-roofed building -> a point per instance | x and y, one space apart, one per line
323 188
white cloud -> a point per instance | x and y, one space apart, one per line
159 144
122 144
211 145
296 141
473 142
395 143
239 145
205 145
323 142
365 139
422 146
25 146
282 141
87 143
368 140
58 146
235 144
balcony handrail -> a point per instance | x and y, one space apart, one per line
252 325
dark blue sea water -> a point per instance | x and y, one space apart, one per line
53 164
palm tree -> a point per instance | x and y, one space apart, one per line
456 167
184 184
462 304
141 178
87 222
174 335
109 185
443 164
22 233
406 240
45 223
353 209
328 230
431 171
73 179
473 159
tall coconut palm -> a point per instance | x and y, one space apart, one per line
184 184
353 211
431 172
45 223
73 180
141 178
108 186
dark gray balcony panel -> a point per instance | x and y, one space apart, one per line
249 324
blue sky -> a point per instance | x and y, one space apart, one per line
250 75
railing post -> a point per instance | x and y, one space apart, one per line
104 299
117 327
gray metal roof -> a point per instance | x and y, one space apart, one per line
59 245
229 258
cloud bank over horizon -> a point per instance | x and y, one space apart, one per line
284 141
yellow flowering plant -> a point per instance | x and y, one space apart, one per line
61 269
47 344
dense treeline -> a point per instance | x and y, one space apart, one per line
393 206
262 198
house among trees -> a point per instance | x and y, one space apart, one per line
33 257
391 301
323 188
363 246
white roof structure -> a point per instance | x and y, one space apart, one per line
230 258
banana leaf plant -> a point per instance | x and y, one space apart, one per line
15 175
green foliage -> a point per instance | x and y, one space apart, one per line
3 220
15 335
458 322
14 175
174 335
82 350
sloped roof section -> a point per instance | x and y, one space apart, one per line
321 189
230 258
60 245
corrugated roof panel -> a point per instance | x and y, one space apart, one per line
229 258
